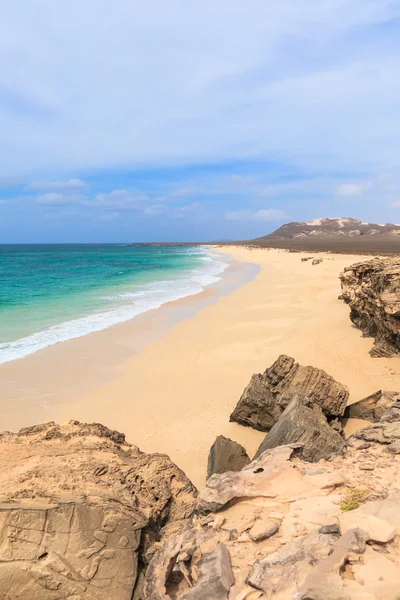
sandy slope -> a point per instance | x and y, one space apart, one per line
176 395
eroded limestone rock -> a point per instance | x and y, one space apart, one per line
80 510
268 394
372 290
72 550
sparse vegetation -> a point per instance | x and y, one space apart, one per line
353 498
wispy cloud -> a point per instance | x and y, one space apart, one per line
350 189
312 85
264 215
72 185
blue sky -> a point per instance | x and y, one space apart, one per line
177 120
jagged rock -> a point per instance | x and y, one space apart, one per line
381 433
317 261
324 581
307 258
215 576
268 394
226 455
372 290
206 574
80 510
283 569
371 408
306 426
392 413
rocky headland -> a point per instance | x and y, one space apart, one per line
314 515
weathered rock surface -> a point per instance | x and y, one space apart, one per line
372 290
317 261
305 555
268 394
306 426
80 510
226 455
384 432
373 407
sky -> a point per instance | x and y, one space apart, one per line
195 120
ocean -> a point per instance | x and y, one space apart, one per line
53 293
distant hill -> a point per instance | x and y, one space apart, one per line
331 227
342 235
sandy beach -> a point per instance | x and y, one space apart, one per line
176 394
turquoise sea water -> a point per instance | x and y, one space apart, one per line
52 293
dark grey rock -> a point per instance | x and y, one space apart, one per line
332 528
226 455
307 426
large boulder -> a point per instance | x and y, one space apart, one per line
269 393
306 426
372 290
371 408
81 512
226 455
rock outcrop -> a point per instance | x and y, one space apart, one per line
226 455
373 407
82 511
306 426
372 290
269 393
317 545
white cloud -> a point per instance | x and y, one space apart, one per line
267 215
350 189
57 199
308 84
72 185
121 201
396 203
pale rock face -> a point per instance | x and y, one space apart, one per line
372 290
80 510
377 530
78 550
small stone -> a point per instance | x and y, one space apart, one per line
262 530
218 522
332 528
367 467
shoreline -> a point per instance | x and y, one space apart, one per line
61 372
175 395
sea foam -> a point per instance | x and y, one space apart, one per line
144 297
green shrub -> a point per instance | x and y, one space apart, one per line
353 498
